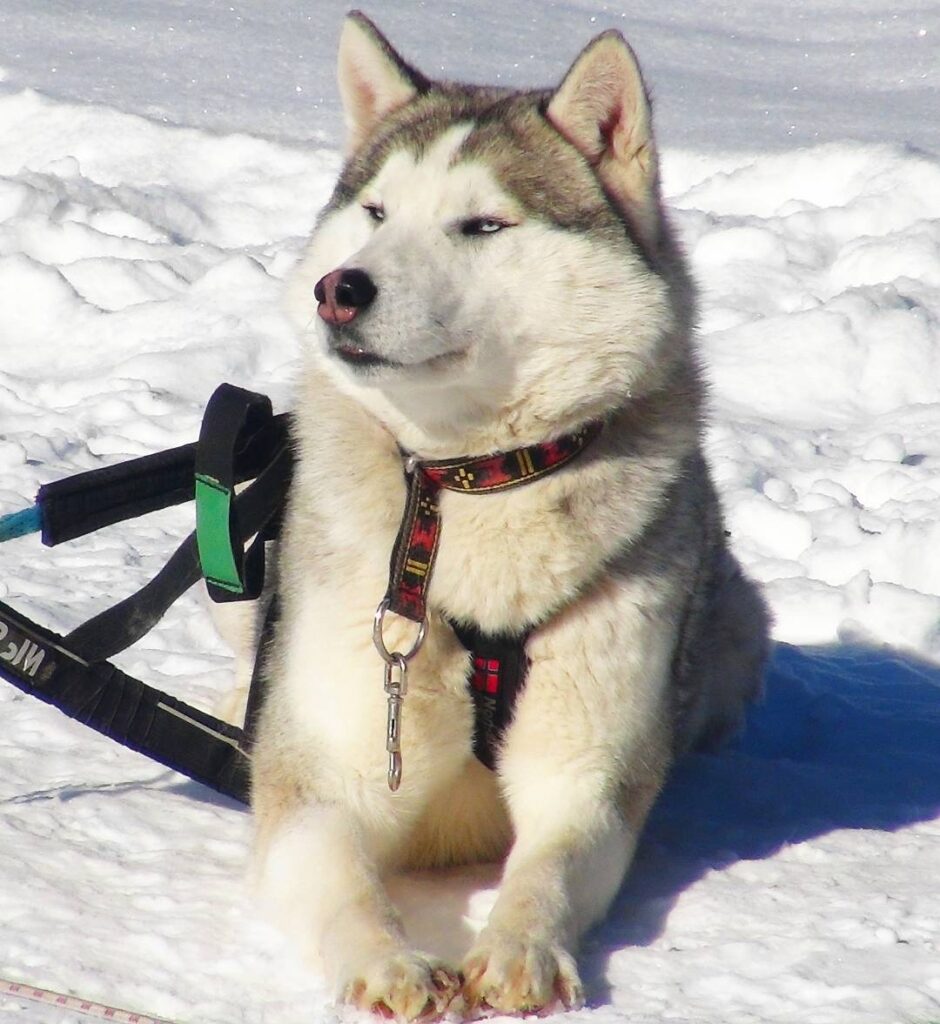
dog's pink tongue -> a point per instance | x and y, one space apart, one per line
333 313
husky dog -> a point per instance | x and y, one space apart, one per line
493 271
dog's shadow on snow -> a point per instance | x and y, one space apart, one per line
846 737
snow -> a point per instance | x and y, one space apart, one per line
160 165
755 75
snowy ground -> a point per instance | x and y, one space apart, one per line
790 879
757 74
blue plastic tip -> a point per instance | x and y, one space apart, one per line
19 524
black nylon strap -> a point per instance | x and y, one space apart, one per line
121 707
124 623
256 690
89 501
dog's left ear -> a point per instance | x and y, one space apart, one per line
373 78
602 109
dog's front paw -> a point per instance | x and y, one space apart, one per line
520 975
407 986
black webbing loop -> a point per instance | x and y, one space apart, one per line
124 623
258 508
232 573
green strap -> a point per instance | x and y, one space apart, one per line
213 536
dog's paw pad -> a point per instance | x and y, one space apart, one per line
404 986
517 976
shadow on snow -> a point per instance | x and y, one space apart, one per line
846 737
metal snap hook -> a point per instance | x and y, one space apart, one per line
396 686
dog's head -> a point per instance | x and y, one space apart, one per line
492 264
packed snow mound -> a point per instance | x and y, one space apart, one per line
140 265
820 277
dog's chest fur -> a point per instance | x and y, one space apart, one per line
506 560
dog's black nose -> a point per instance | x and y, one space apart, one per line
343 294
355 288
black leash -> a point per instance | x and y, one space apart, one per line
243 441
138 716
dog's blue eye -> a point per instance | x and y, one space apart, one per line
482 226
375 212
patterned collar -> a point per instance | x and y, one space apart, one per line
420 531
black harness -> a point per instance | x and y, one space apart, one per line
241 442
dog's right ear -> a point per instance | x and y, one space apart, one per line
373 78
602 109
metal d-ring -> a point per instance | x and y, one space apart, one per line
390 657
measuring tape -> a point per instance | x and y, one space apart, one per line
91 1009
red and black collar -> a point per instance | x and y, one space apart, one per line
420 531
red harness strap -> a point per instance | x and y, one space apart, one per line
498 663
498 669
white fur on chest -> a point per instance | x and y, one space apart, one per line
504 559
